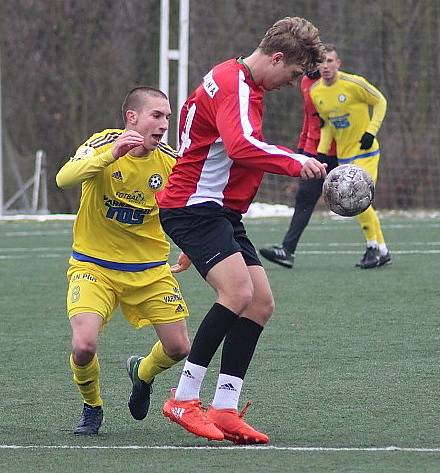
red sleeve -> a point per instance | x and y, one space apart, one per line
239 122
305 128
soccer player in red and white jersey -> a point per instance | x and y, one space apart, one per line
309 191
223 158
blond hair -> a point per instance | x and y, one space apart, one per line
297 39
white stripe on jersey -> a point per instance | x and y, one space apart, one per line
243 94
214 176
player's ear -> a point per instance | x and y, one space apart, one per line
131 117
277 57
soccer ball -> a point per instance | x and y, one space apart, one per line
348 190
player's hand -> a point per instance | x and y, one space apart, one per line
366 140
183 263
313 169
125 142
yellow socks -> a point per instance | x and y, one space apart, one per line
370 225
156 362
87 379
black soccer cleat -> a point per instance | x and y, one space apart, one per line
385 259
139 400
370 259
277 254
91 420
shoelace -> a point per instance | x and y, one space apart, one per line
199 411
197 405
245 409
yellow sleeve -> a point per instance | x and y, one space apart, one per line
378 102
86 163
325 139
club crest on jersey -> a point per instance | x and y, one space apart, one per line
155 182
342 98
117 175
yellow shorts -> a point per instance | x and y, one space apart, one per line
146 297
371 165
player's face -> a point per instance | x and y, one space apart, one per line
152 121
330 67
281 74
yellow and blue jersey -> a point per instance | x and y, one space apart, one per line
117 225
344 107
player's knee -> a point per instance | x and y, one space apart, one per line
237 298
242 299
267 307
83 350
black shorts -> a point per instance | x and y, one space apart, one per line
208 233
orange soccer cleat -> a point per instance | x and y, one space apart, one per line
192 417
234 428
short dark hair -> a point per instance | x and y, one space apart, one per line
297 39
134 99
329 48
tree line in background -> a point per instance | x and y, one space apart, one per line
67 65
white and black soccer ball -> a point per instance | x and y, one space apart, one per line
348 190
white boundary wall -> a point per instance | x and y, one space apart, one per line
256 210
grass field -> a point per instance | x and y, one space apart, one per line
347 368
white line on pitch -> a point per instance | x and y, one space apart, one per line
51 255
34 249
302 252
351 252
236 447
38 233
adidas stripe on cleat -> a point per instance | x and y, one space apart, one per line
192 417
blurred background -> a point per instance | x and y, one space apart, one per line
66 66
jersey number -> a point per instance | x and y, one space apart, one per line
185 140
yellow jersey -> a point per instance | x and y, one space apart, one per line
117 225
344 107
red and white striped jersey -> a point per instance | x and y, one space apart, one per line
222 156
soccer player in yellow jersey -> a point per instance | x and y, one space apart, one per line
343 101
120 252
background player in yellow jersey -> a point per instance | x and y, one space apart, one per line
342 101
120 252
